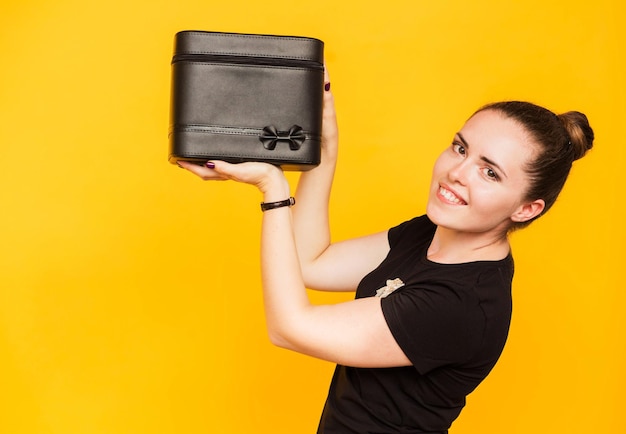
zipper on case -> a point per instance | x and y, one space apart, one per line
247 60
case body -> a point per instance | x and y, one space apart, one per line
246 97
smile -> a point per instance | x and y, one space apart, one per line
450 197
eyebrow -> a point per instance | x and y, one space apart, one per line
482 157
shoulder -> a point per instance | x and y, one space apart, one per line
417 229
479 284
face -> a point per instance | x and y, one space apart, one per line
478 181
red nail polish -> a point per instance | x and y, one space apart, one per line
210 165
327 87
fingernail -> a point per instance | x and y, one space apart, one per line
327 87
210 165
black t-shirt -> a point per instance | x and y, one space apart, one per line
451 320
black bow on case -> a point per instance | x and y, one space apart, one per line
270 136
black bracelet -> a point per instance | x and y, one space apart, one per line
265 206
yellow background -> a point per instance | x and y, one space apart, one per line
129 289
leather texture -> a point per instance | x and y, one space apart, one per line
243 97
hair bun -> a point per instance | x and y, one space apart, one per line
580 132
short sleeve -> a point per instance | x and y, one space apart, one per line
434 324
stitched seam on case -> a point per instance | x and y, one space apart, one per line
216 131
233 131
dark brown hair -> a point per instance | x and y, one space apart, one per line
560 140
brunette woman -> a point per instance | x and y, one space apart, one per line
433 294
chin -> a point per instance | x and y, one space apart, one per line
460 222
441 217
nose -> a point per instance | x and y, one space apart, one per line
458 172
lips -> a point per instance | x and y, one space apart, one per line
450 197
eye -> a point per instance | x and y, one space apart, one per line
491 174
458 148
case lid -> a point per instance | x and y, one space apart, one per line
242 44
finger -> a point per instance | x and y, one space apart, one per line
329 102
202 171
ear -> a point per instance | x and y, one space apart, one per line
528 211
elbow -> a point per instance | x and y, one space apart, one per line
307 276
279 339
282 337
291 329
311 279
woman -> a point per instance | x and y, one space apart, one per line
433 295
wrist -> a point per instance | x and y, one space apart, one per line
275 188
266 206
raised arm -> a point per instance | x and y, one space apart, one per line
352 333
326 266
310 217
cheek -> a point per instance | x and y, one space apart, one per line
497 201
439 166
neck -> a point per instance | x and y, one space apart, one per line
453 247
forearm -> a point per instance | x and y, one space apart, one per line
311 213
284 293
311 225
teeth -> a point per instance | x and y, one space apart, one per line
450 196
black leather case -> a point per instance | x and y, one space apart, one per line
244 97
